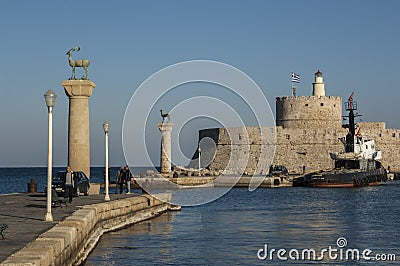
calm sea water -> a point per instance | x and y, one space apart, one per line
231 230
15 179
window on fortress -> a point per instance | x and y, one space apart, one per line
306 104
393 135
322 104
287 136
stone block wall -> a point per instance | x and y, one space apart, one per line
387 140
238 150
307 147
309 112
295 147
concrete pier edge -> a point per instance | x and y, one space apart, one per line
70 241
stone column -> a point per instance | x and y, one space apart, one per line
79 92
165 158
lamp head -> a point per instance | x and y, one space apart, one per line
50 98
106 126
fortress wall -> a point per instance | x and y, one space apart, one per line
309 112
308 147
294 148
372 126
239 149
387 140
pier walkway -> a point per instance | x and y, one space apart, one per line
24 214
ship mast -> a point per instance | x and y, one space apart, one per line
350 106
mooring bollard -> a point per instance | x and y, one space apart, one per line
32 186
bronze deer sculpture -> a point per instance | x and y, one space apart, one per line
84 63
164 116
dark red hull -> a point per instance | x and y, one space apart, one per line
342 179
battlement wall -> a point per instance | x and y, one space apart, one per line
295 147
386 139
309 112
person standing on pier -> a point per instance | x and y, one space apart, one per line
121 179
118 180
69 184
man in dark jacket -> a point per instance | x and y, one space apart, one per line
69 184
122 179
128 177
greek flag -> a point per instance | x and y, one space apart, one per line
295 77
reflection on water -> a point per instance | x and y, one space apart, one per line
231 230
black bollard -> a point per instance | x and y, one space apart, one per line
32 186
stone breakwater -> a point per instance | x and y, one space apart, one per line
216 181
71 240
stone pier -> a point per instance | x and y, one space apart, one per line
76 229
165 158
79 92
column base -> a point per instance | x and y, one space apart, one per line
48 217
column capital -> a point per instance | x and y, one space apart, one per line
76 88
165 126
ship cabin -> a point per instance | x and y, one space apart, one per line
362 156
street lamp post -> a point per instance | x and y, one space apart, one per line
106 126
199 152
50 98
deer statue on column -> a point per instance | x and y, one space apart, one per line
84 63
164 117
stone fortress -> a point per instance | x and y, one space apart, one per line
308 129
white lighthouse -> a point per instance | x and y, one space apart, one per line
318 85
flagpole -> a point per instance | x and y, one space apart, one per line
295 79
292 87
293 92
292 82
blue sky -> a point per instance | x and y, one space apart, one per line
354 43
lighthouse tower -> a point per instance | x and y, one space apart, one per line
318 85
305 112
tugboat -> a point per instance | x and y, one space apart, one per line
357 166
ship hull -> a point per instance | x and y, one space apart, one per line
342 179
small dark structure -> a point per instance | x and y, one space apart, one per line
32 186
2 228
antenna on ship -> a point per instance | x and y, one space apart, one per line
351 106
